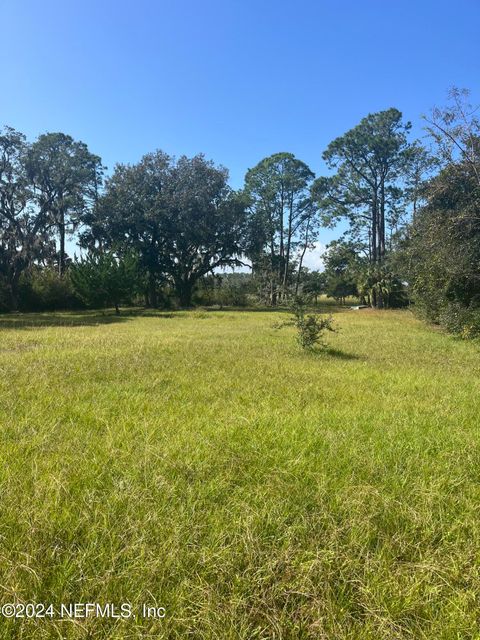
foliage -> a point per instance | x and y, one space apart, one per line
314 283
236 289
44 289
460 320
205 225
420 164
444 249
226 289
310 327
342 266
104 279
179 216
455 130
185 224
282 221
65 178
441 253
370 161
24 234
348 274
375 281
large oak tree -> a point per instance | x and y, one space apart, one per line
180 216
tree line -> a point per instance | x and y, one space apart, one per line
159 231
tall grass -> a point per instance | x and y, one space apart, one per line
203 463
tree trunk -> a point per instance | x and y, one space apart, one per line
14 297
374 232
184 292
117 309
381 223
281 261
273 274
297 283
287 252
152 291
61 229
273 294
375 243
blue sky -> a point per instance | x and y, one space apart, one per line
234 79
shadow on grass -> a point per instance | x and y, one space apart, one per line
94 318
320 308
337 353
39 320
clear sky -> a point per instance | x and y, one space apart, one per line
234 79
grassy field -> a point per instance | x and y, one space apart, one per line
199 461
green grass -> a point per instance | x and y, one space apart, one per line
202 462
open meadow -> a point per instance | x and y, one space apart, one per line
201 462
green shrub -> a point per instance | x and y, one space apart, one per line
103 279
310 327
461 321
229 290
5 297
43 289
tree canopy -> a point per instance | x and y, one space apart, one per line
282 222
161 230
180 216
370 162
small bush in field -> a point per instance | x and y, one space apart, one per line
310 327
310 331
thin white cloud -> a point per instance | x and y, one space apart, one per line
313 258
